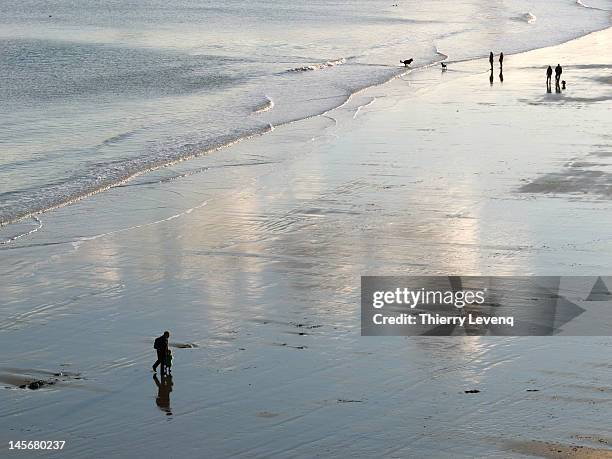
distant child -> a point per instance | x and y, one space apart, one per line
169 361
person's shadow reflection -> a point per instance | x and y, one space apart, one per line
163 393
501 76
491 77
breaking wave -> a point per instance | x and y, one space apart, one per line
581 3
268 104
528 17
320 66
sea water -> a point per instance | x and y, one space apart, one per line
93 93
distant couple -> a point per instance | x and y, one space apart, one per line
501 60
164 354
501 67
558 73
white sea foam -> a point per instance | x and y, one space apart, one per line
359 108
528 17
591 7
319 66
38 226
79 242
265 106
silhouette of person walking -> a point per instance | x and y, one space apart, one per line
164 387
558 72
501 60
491 59
549 79
161 346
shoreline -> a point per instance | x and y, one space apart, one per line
222 145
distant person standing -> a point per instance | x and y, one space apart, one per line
501 60
558 72
491 59
161 346
548 77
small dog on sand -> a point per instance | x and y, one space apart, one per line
443 66
563 84
407 62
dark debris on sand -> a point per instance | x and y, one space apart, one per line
35 379
184 345
300 325
293 347
37 384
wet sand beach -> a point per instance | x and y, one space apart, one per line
252 255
